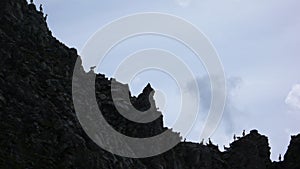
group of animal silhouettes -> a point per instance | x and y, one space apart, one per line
234 138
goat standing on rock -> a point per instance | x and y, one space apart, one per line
41 8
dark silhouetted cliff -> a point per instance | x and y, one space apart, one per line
39 127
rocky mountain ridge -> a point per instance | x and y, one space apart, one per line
39 127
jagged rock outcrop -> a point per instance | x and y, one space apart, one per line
39 127
249 152
292 156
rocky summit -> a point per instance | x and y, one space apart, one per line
39 128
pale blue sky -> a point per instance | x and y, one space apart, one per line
257 41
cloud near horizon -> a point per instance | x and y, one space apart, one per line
293 98
227 124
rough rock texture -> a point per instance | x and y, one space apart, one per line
39 127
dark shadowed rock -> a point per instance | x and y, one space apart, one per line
292 156
39 127
249 152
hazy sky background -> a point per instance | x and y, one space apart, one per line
257 41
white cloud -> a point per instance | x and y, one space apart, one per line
184 3
293 98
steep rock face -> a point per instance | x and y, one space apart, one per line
39 127
292 156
